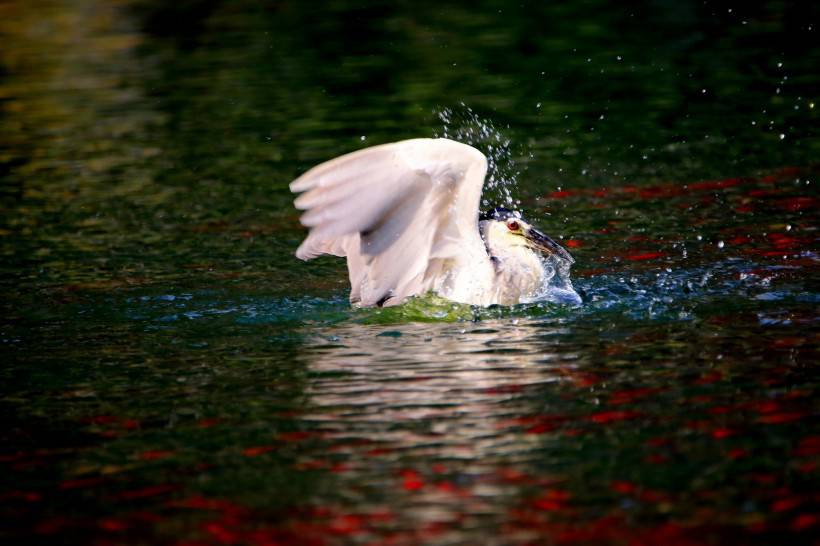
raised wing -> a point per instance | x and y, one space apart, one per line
405 214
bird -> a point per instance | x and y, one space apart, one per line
406 216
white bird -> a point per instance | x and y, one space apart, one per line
406 216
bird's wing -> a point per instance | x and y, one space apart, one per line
402 213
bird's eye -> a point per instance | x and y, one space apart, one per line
512 225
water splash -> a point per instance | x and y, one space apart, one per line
464 125
557 287
666 295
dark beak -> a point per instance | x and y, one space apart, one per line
541 242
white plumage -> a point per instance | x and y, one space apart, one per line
406 216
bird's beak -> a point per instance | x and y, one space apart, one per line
541 242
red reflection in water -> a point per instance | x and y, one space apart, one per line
411 480
605 417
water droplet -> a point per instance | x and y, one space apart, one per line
720 244
362 138
466 126
782 136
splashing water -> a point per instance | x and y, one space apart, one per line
464 125
557 287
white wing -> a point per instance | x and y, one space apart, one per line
405 214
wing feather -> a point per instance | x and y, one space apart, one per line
402 214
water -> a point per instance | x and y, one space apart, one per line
171 374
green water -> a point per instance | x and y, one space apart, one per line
171 374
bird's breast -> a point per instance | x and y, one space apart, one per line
506 279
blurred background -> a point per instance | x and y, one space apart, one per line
171 374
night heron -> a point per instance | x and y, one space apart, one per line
406 216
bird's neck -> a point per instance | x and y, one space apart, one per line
519 273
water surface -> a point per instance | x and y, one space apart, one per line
171 374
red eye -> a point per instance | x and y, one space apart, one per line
512 225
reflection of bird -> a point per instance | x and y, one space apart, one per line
406 217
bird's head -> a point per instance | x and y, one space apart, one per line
503 229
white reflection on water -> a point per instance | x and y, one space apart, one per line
426 370
436 394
